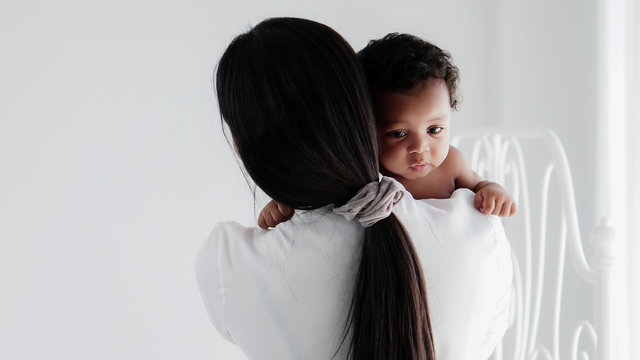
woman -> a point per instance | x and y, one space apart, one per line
345 278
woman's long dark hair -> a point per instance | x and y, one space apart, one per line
294 97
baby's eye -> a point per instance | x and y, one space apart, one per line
398 134
435 130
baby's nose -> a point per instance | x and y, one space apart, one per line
419 144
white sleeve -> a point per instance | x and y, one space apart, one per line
210 279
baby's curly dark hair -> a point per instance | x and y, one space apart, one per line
399 61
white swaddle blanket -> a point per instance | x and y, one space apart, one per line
285 293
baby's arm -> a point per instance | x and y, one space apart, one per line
491 198
273 214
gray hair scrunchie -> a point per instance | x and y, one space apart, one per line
373 202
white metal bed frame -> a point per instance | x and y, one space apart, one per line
533 167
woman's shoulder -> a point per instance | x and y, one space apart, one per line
233 246
223 261
225 231
452 218
453 228
459 245
216 245
307 260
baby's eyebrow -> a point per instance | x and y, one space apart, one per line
394 122
390 126
390 122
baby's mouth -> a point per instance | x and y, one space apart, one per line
419 166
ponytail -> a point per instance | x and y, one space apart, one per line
389 316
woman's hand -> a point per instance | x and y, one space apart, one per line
273 214
493 199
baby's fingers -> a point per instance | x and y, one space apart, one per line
485 204
262 221
488 205
506 208
275 217
477 201
269 217
503 209
286 212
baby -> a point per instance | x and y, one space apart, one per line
413 84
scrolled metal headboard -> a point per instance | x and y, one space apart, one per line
559 312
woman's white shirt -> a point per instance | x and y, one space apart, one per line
285 293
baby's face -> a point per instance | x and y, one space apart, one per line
414 129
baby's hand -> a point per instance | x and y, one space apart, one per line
273 214
493 199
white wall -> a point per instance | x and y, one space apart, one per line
546 75
114 168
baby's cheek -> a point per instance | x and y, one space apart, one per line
443 155
384 161
385 153
388 160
